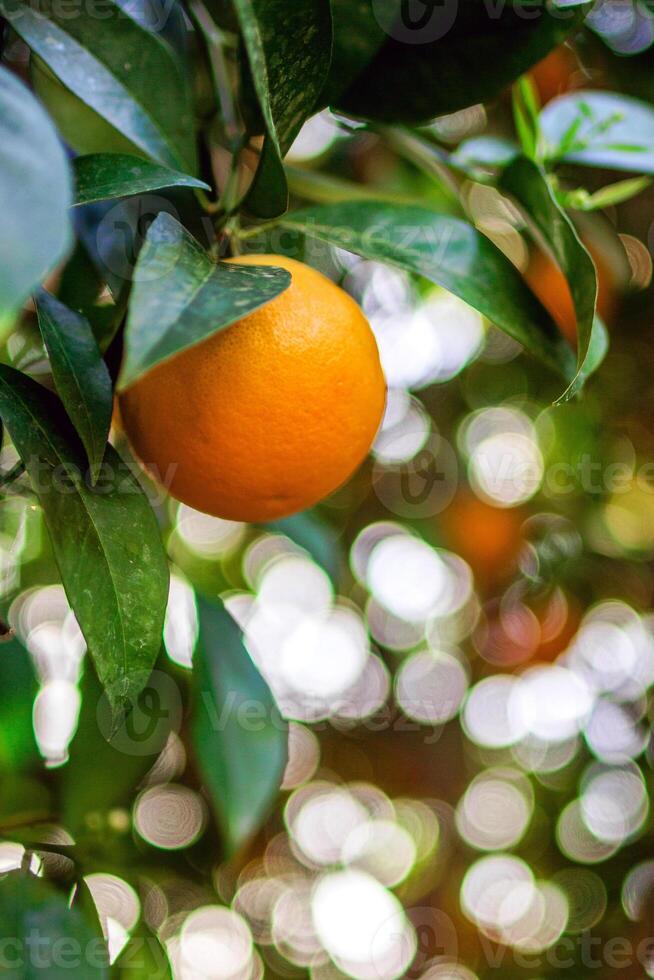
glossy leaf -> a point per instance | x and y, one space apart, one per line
66 942
80 374
102 176
442 57
35 194
288 51
600 129
180 297
451 253
239 737
358 36
528 185
106 540
123 71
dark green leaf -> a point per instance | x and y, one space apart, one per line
267 195
181 297
451 253
101 176
358 36
289 52
239 737
600 129
106 540
528 184
143 958
47 937
119 759
18 748
289 60
125 72
314 535
35 194
80 374
448 56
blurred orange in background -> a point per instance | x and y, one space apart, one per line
550 285
488 538
557 73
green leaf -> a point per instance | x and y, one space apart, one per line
102 176
358 36
119 759
35 195
18 748
528 184
123 71
525 116
484 152
449 252
316 537
267 195
47 937
143 958
239 737
181 297
288 51
605 197
600 129
442 57
106 540
80 375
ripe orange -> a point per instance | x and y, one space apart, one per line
488 538
269 416
556 73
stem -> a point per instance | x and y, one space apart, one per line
216 42
428 158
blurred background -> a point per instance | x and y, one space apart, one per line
462 638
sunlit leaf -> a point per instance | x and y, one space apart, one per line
123 71
239 737
448 251
106 540
600 129
527 183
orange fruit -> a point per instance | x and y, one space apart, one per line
488 538
550 285
270 415
555 74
